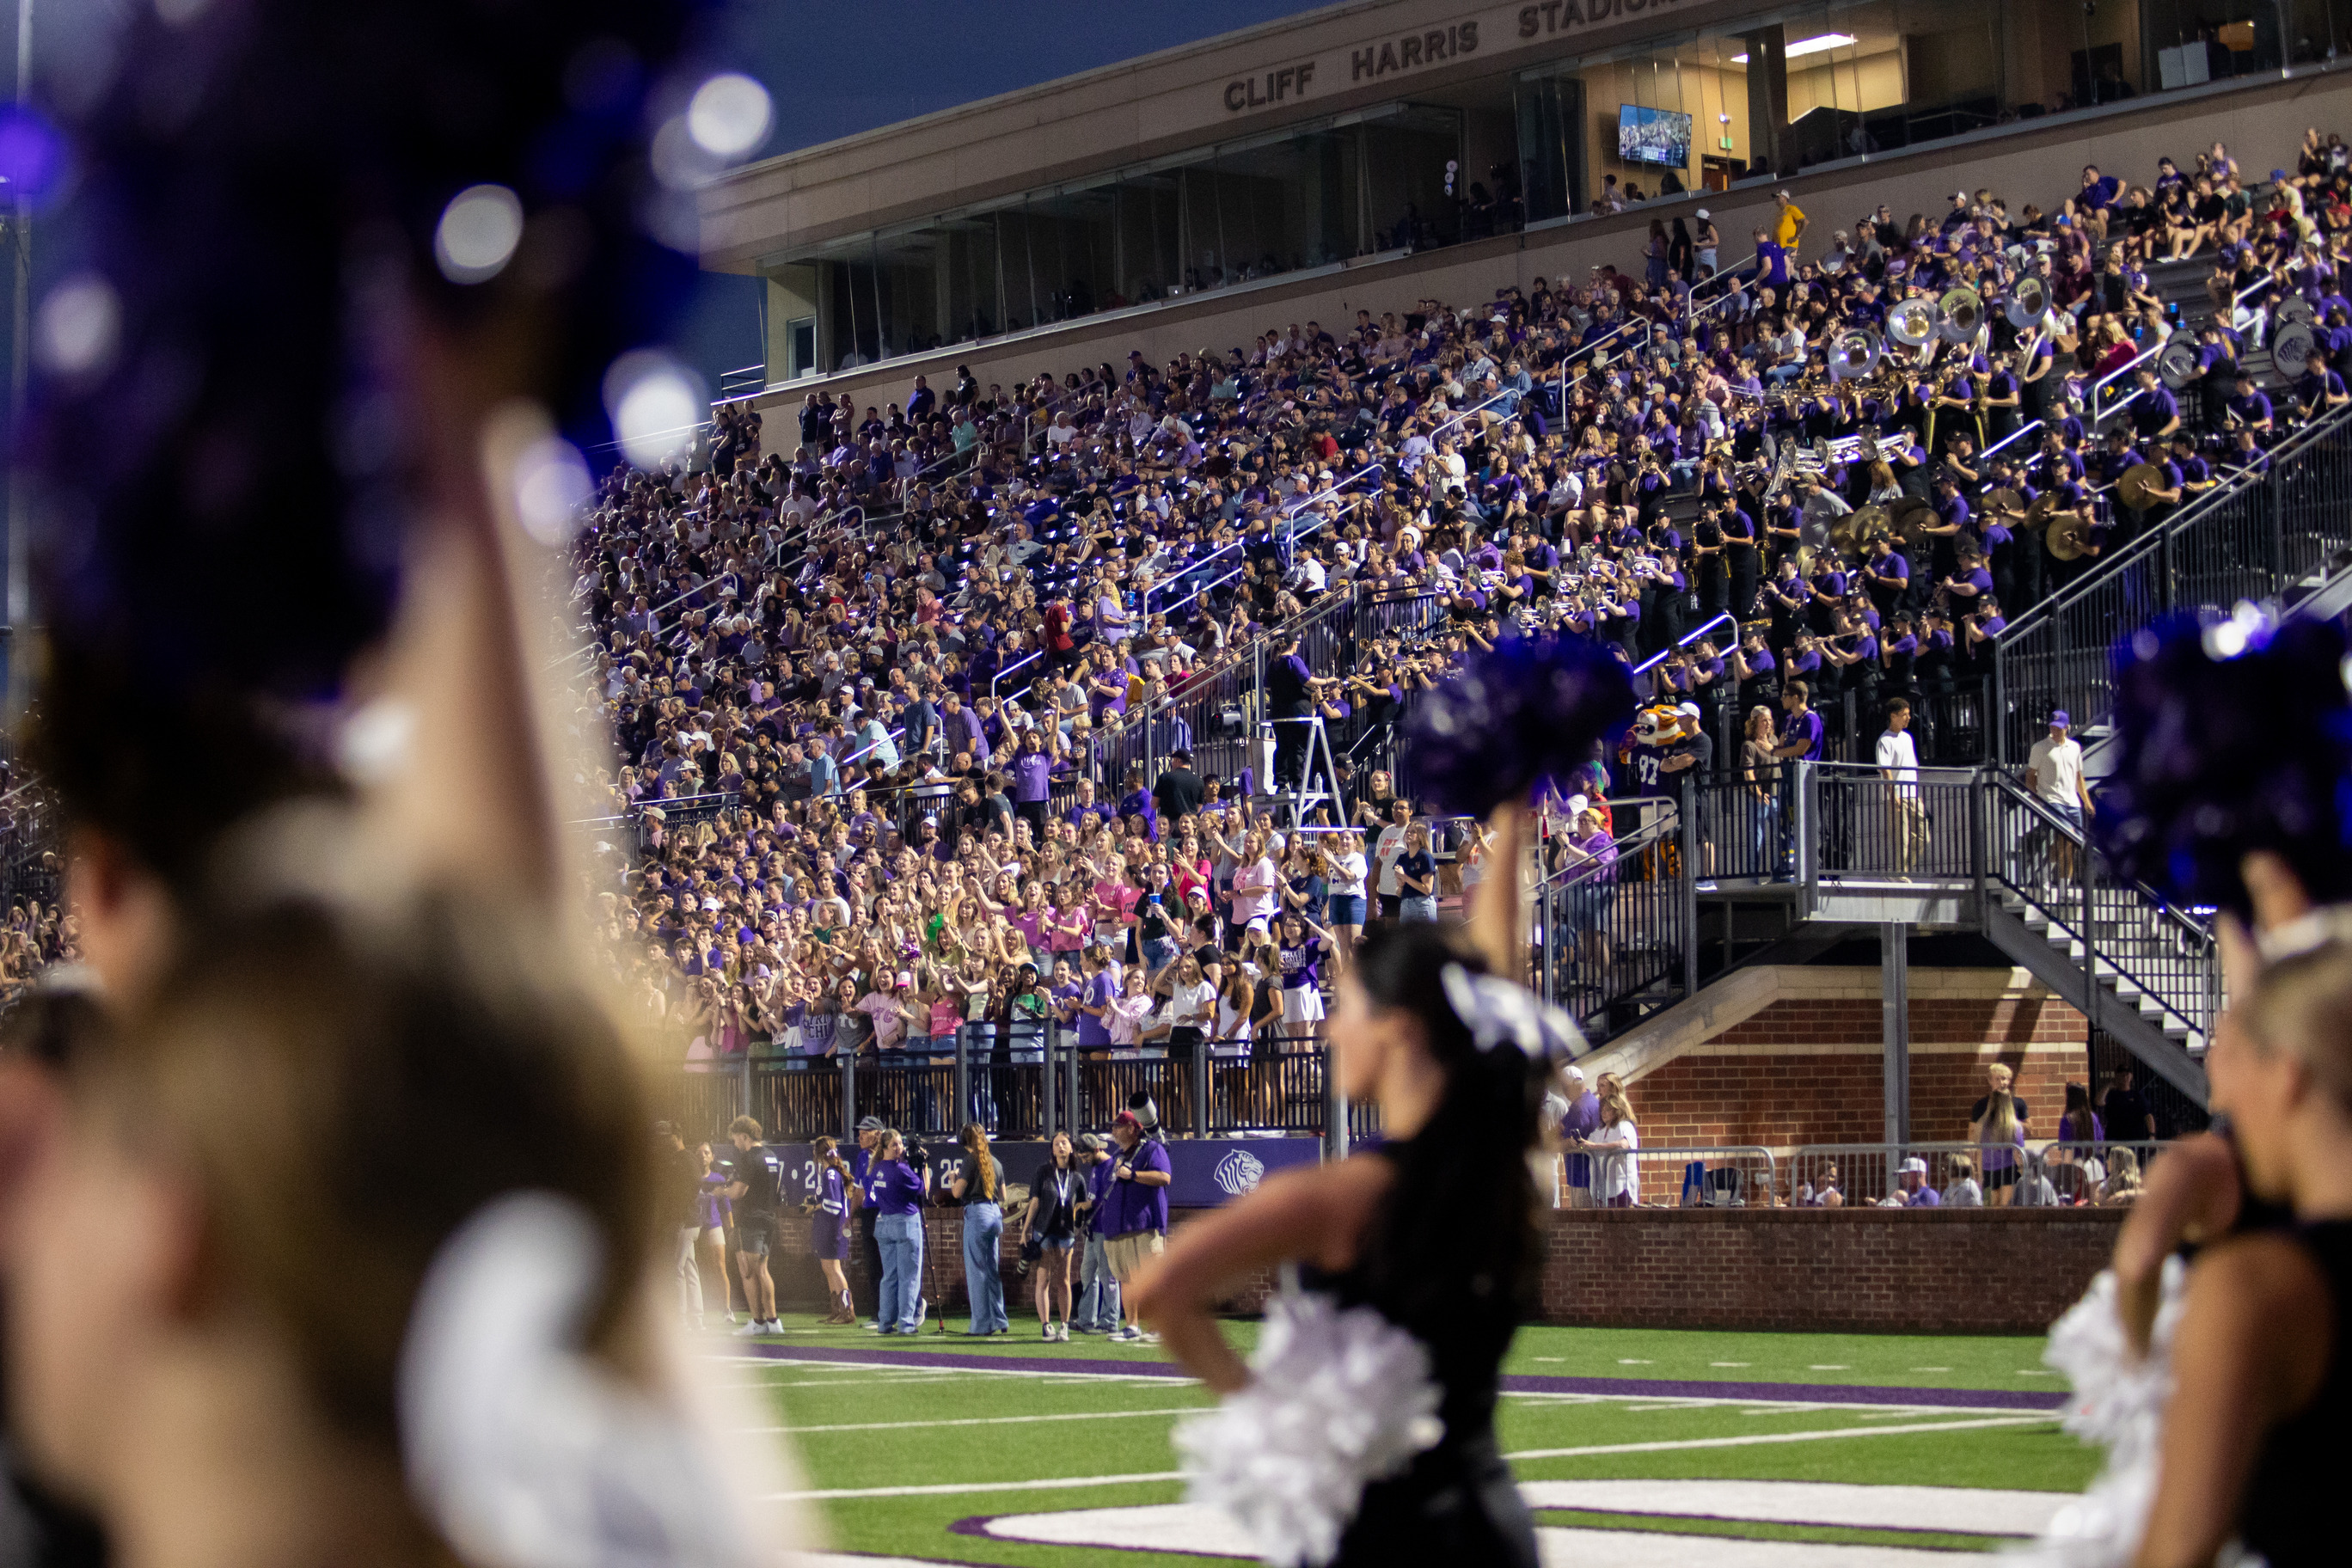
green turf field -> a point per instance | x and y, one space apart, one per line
1010 1451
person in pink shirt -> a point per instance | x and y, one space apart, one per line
1257 884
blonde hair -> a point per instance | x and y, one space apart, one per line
2301 1006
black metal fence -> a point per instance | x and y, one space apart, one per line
1615 937
1859 825
1023 1081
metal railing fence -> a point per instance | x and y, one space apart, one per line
2249 538
2006 1174
1865 826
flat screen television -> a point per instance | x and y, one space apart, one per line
1652 136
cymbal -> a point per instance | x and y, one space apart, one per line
2137 485
1910 515
2004 502
2069 538
1859 527
2038 514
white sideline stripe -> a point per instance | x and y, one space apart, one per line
984 1420
950 1489
1748 1439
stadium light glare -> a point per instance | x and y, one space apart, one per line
478 233
729 116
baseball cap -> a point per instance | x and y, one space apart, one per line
1914 1166
2277 175
1702 212
1090 1142
869 1124
1959 196
1126 1118
2058 717
1689 708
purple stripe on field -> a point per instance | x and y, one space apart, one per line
1613 1387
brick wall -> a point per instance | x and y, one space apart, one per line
1864 1271
1806 1069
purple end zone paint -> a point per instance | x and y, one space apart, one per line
1610 1387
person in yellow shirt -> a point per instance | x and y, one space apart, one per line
1789 227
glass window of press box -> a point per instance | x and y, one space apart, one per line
1766 97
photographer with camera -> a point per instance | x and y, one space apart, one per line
1098 1294
1132 1216
896 1190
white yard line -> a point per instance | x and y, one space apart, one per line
986 1420
1073 1483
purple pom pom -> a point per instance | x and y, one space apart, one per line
1526 711
2231 738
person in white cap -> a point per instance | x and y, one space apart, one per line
1789 226
1707 239
1911 1188
1691 759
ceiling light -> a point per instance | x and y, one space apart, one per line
1809 46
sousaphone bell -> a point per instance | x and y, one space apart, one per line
2028 303
1854 353
1963 311
1913 322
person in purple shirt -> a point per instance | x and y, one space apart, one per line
1033 771
1132 1217
1579 1122
828 1219
896 1191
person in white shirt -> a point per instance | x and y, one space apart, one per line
2053 772
1616 1177
1898 763
1387 850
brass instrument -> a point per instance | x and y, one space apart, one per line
1914 323
2028 303
1962 310
1854 353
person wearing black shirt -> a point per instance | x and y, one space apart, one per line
757 1198
1049 1233
1179 791
1289 698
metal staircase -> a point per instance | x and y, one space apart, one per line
1840 852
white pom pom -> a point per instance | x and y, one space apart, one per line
1338 1399
2118 1399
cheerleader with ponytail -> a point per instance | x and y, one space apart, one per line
1362 1430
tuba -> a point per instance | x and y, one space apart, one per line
1913 324
2028 303
1854 353
1963 313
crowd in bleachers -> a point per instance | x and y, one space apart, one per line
871 681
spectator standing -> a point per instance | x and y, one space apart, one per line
1099 1295
1386 851
2053 772
870 1129
685 1180
1417 871
895 1193
717 1216
828 1220
756 1198
1898 764
2126 1111
978 1185
1133 1213
1049 1229
1179 790
1996 1123
1616 1177
1577 1125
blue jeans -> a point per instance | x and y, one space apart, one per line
1416 909
901 1239
1096 1307
983 1279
